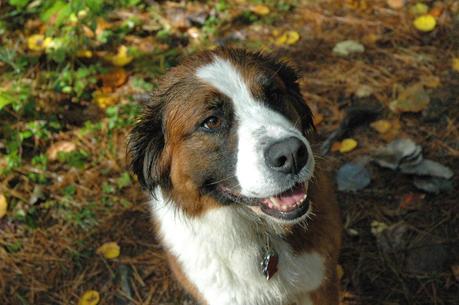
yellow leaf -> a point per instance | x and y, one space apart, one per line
381 126
89 297
121 58
3 205
84 53
103 99
38 42
260 9
419 9
455 64
347 145
339 272
425 23
288 38
378 227
109 250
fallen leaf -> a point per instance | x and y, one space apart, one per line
194 32
395 4
339 272
109 250
260 9
396 152
61 146
437 10
317 119
411 201
455 64
3 205
419 9
427 168
104 99
288 38
348 47
38 42
433 185
364 91
455 271
84 54
381 126
89 297
121 58
412 99
352 177
114 78
425 23
431 81
335 147
378 227
347 145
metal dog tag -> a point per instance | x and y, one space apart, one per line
269 263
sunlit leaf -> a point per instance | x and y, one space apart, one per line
339 272
109 250
89 297
347 145
260 9
348 47
425 23
419 9
381 126
104 99
121 58
288 38
455 64
3 205
38 42
84 54
378 227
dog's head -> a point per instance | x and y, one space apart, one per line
227 127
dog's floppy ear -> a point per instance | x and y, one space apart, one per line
290 79
146 145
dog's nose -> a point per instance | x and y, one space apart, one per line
287 155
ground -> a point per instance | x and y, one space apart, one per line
68 75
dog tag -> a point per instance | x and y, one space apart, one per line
269 264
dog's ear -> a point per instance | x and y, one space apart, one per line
290 78
146 146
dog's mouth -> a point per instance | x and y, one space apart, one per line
288 205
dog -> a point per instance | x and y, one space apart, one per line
244 211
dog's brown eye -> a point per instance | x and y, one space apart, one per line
212 122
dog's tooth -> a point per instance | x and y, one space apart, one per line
275 202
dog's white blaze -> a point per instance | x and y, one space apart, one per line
255 123
219 252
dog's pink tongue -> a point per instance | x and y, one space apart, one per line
286 200
291 197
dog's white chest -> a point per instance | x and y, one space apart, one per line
220 254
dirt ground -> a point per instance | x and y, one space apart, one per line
57 261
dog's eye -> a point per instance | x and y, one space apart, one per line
212 123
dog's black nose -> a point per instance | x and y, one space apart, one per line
287 155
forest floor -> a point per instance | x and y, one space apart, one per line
67 77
